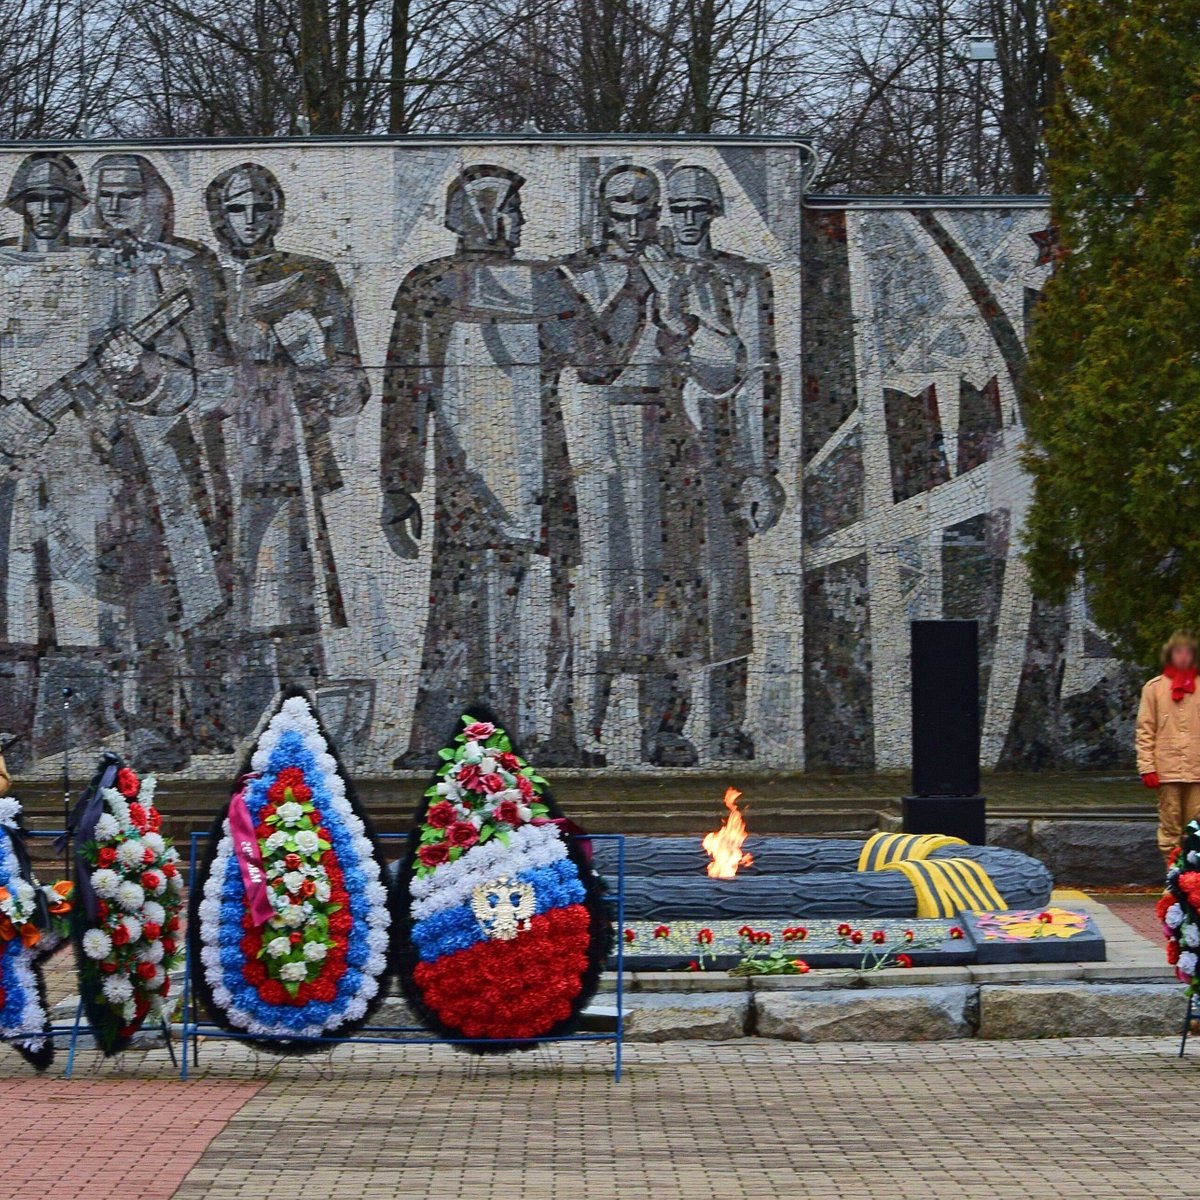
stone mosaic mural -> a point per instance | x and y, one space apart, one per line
618 437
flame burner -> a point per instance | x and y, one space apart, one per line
724 845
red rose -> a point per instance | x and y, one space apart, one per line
433 854
291 861
462 833
107 856
508 760
295 937
120 935
147 856
108 967
141 1006
469 775
173 924
137 814
152 930
525 787
441 815
166 985
151 880
168 870
169 945
127 783
101 908
263 831
479 731
146 970
879 937
508 812
491 783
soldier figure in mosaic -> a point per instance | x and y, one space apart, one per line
641 604
478 341
290 321
739 432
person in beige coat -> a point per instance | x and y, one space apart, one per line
5 778
1168 740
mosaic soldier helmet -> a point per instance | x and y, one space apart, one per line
475 202
629 199
696 183
251 192
133 175
47 169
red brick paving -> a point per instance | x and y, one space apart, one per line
1137 911
118 1139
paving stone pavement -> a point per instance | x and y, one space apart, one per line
1055 1120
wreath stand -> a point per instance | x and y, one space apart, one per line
194 1029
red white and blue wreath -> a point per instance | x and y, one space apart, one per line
500 927
128 928
1179 911
290 918
33 922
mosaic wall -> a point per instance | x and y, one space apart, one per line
542 424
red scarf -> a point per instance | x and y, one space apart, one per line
1183 683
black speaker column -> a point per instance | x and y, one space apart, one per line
945 732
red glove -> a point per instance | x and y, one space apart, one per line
1150 779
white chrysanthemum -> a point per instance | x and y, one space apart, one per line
315 951
129 854
105 883
292 881
1189 934
292 915
153 911
133 927
274 841
117 989
97 944
307 842
147 790
154 841
293 972
323 890
155 982
1187 963
153 953
107 827
1174 917
175 884
130 895
289 813
278 947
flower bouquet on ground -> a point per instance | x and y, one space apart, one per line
289 915
499 921
34 920
128 930
1179 910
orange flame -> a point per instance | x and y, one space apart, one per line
724 845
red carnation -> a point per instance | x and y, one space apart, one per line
802 968
955 933
108 967
662 931
462 833
903 960
107 856
479 731
168 945
1164 903
151 880
879 937
525 787
508 811
693 965
1172 951
441 815
120 935
254 972
295 937
101 908
491 783
908 935
152 930
856 937
273 992
127 783
704 937
469 775
433 854
843 930
745 931
263 831
509 761
146 970
291 861
169 870
324 990
630 936
137 814
154 820
173 923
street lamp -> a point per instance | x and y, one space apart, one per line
978 48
